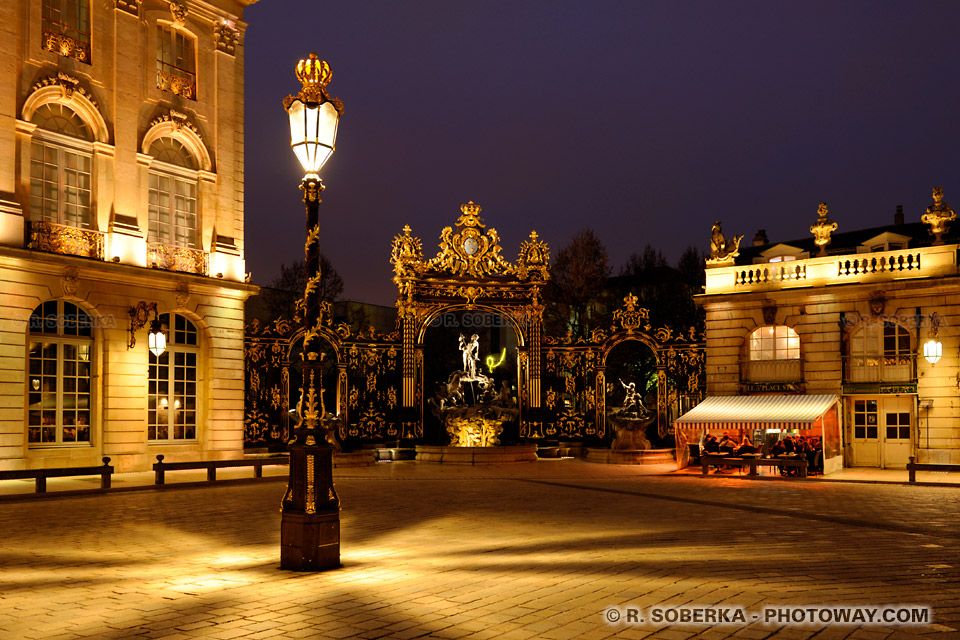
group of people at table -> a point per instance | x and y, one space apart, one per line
811 448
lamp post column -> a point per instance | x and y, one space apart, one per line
310 522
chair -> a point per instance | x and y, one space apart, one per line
694 453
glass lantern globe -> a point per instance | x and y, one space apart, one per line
156 340
313 132
933 351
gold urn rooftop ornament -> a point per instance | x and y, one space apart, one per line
822 229
722 252
939 215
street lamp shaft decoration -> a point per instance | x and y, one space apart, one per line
310 523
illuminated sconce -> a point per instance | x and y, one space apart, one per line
156 340
933 348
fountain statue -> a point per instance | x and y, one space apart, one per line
468 405
630 421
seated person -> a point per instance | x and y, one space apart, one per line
777 449
726 444
746 447
710 445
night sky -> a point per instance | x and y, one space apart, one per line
645 121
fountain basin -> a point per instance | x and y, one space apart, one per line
630 456
477 455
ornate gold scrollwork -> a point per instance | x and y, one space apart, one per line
71 241
182 259
66 46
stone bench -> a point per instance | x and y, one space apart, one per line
40 475
913 467
160 467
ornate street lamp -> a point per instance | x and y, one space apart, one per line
310 521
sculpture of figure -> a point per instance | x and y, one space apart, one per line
632 401
720 247
503 398
471 354
717 242
449 393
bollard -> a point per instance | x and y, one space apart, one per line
158 479
105 474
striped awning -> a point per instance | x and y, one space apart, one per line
757 412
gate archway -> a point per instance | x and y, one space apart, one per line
469 273
579 370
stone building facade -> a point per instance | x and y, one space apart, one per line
847 314
121 201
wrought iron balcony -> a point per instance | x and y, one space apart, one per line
71 241
171 258
880 369
176 80
65 40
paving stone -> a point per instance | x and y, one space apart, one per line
526 551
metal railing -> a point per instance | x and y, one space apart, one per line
878 368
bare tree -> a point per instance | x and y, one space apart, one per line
575 289
287 288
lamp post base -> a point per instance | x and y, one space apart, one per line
309 542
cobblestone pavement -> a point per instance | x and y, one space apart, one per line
528 551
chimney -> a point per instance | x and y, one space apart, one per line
761 238
898 216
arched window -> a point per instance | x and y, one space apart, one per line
773 355
774 343
59 374
176 61
172 393
881 352
61 167
66 28
173 194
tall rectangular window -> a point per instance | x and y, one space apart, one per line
66 28
172 384
60 185
59 375
172 210
176 62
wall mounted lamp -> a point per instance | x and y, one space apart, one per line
139 314
933 348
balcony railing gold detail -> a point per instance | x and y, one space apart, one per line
177 81
71 241
65 45
170 258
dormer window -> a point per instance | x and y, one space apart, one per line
886 241
783 258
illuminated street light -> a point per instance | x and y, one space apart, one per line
310 521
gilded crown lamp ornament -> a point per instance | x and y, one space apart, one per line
939 215
310 521
822 229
